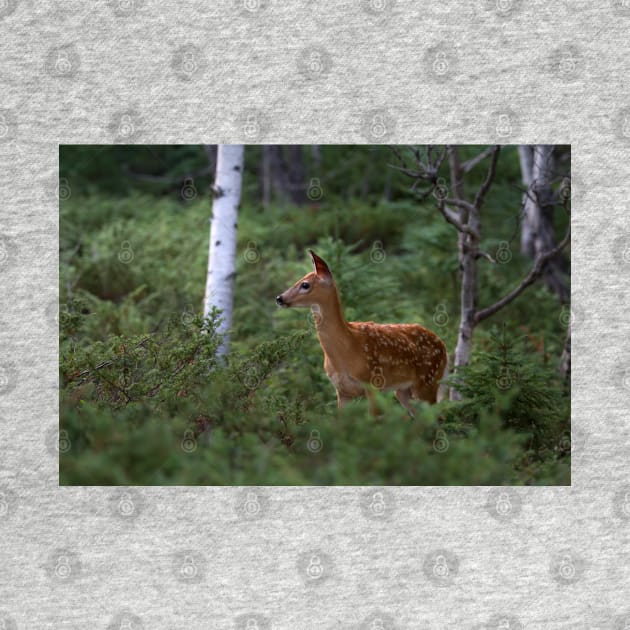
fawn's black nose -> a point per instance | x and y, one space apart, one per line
279 301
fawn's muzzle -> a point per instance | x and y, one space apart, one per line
280 301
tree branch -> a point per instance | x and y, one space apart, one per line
531 277
453 219
468 165
460 203
492 169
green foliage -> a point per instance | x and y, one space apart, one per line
144 400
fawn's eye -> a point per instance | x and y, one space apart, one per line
305 285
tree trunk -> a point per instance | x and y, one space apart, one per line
285 178
526 159
297 174
537 235
467 249
222 246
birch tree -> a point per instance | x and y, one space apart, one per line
465 216
222 246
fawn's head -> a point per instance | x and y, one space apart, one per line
313 289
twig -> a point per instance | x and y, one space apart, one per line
531 277
482 254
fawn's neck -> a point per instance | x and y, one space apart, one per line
332 329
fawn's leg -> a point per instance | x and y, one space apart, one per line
374 408
342 399
404 396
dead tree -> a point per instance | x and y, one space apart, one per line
465 216
539 202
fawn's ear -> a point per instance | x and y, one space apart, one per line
321 268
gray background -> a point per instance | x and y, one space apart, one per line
302 72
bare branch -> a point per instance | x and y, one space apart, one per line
531 277
482 254
461 203
468 165
492 169
453 218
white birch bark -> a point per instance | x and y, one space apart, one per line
222 246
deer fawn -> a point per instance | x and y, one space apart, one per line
406 358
